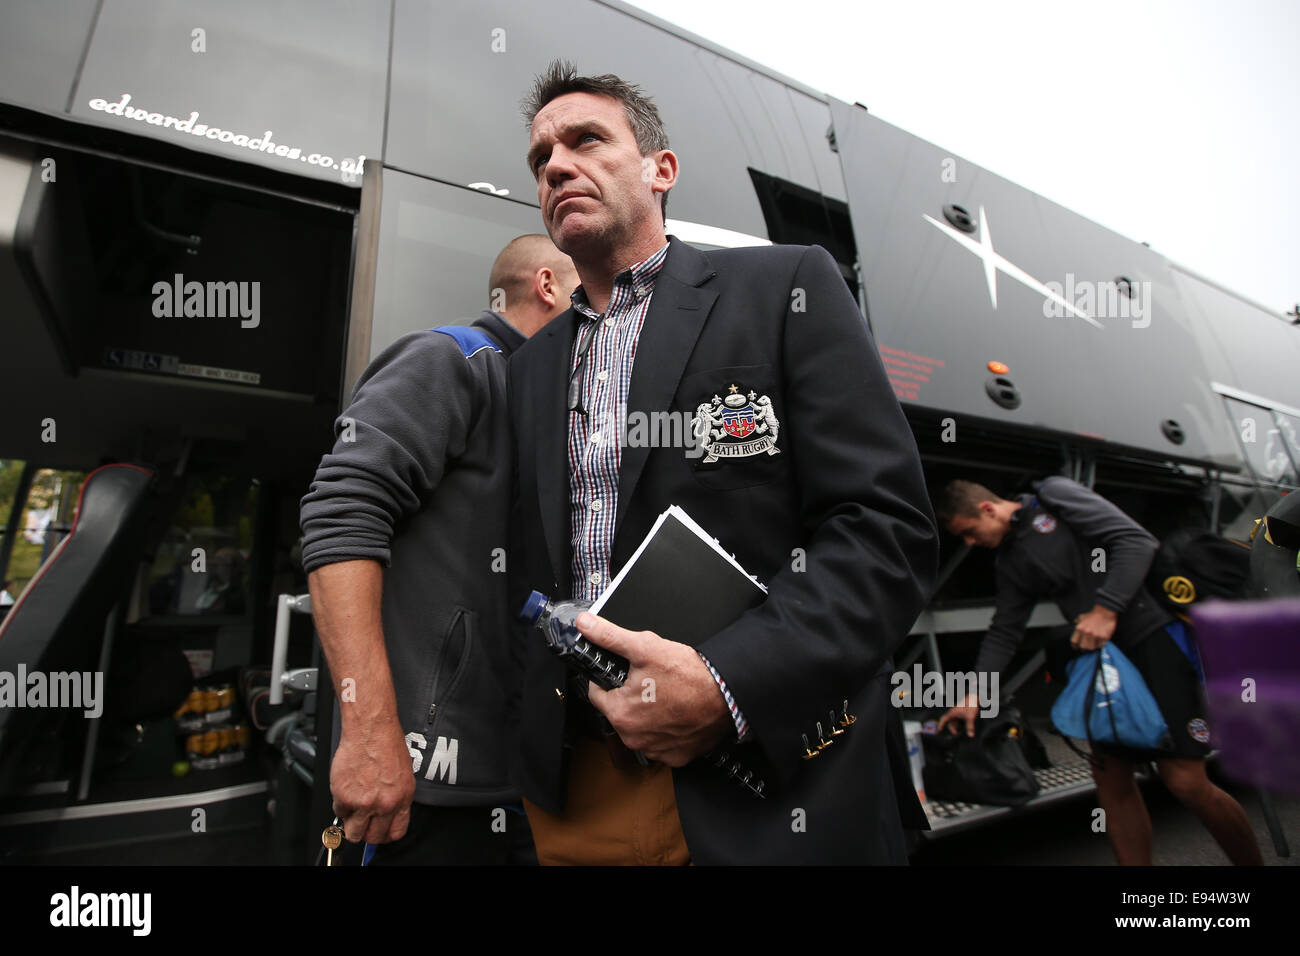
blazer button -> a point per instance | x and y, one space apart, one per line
808 752
847 719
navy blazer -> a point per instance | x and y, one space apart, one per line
837 523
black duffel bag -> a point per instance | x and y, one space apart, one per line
988 768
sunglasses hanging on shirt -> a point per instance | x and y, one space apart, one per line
576 397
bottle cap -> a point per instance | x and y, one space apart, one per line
532 609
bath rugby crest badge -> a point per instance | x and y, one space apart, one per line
737 425
1044 523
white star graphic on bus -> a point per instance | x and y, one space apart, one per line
995 262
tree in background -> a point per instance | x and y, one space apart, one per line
50 489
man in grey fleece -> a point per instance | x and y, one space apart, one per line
404 531
1067 544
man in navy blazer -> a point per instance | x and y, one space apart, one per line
809 474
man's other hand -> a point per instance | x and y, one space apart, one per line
670 708
966 712
372 783
1094 629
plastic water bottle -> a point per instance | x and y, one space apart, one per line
556 620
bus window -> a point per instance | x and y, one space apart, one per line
201 565
1263 442
1240 506
1288 438
47 514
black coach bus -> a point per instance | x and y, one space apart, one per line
212 216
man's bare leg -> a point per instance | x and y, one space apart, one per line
1128 827
1222 815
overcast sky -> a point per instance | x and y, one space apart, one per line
1169 121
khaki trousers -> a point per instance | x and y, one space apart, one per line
615 815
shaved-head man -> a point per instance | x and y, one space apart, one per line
403 536
530 282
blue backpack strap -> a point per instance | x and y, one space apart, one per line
470 339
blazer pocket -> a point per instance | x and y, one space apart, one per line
735 416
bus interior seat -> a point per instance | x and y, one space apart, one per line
57 624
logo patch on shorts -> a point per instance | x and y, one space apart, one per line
1179 589
1199 730
1044 524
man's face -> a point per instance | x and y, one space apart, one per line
589 169
985 531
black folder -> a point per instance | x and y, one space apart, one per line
680 584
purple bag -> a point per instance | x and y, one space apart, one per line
1256 724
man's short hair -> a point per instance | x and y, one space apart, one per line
517 264
961 499
561 78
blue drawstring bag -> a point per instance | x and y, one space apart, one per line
1106 700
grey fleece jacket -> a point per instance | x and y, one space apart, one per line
419 480
1050 553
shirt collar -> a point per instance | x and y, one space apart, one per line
640 278
1019 525
1026 505
501 329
